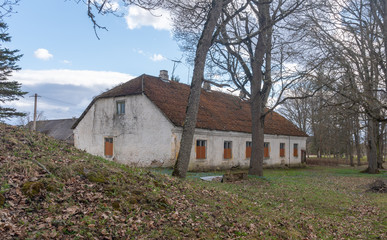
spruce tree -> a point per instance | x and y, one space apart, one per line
9 90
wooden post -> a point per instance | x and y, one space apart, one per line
35 107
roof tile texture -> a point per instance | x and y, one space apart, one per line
217 110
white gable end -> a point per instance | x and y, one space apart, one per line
140 136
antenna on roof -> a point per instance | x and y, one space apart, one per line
175 64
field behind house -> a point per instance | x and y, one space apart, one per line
88 197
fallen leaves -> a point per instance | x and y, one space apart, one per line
91 198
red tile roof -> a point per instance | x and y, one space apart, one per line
217 110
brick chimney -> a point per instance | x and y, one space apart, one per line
242 95
164 75
206 86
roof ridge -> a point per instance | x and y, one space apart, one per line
218 110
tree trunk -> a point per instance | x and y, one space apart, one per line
381 146
350 154
256 160
372 146
205 41
357 141
257 97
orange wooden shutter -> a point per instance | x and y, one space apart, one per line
295 152
227 153
282 152
199 152
248 152
200 149
266 152
108 148
203 152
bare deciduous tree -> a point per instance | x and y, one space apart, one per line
244 50
349 38
205 42
24 120
203 17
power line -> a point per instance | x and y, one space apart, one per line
56 100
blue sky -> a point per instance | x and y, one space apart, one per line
65 63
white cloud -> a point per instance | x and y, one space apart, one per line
28 103
157 57
22 103
83 103
83 78
159 19
66 62
43 54
108 6
64 93
154 57
52 106
114 6
139 51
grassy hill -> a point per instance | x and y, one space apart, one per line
54 191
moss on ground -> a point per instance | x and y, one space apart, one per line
89 197
32 189
2 200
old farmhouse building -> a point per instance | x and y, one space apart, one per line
140 123
59 129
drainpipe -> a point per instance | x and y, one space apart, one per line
289 151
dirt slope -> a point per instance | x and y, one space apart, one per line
88 197
50 190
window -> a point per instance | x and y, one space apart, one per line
227 150
120 107
108 147
282 149
266 150
248 149
295 150
201 149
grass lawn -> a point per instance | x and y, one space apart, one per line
79 196
324 202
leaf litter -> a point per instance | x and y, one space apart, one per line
87 197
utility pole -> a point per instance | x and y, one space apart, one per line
35 108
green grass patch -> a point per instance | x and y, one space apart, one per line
89 197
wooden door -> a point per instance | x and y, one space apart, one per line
108 147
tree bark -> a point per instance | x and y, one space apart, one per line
256 160
350 154
205 41
357 141
372 155
380 145
257 96
358 150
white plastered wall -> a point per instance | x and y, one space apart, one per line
274 150
215 147
141 137
144 137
